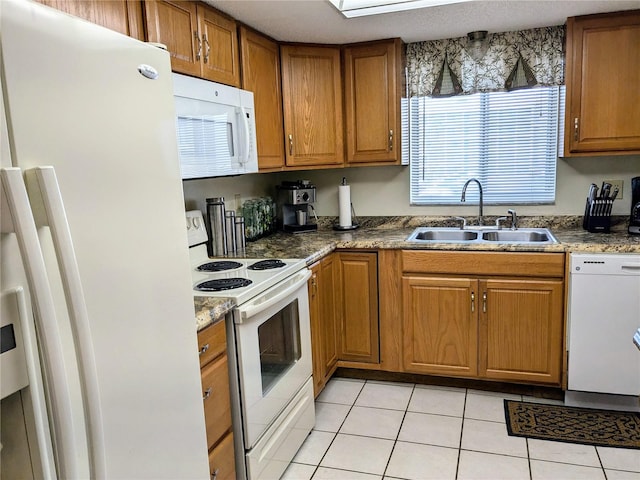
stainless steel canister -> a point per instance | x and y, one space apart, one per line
230 231
216 246
241 241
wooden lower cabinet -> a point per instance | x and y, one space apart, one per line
440 329
359 339
323 308
521 330
499 326
221 460
216 400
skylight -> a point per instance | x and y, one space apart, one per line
360 8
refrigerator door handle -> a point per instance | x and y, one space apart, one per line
45 316
37 387
51 197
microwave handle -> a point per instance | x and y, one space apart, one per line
247 134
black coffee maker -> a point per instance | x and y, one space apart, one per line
634 220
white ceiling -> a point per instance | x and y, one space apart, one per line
317 21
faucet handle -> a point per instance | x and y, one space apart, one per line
462 220
514 219
500 219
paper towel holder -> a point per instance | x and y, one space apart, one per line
353 226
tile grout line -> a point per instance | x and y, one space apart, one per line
395 442
464 408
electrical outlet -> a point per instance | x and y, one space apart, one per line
614 184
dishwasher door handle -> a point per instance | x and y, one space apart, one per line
635 267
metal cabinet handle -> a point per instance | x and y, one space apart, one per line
214 474
203 349
290 144
314 285
206 42
575 129
473 302
207 393
199 52
391 140
484 302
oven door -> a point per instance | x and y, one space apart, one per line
273 342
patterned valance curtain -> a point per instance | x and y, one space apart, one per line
513 60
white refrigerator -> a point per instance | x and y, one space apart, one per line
99 367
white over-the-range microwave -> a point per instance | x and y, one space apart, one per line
216 128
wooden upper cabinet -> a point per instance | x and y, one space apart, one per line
373 90
174 24
260 62
312 93
603 74
123 16
201 42
220 57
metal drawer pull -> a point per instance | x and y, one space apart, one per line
473 302
214 475
391 140
204 348
199 52
206 42
575 129
207 393
484 302
290 144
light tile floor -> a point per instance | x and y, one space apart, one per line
368 430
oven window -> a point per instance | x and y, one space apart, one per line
279 340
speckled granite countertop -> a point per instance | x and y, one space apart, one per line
209 310
391 233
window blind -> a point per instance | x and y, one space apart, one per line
507 140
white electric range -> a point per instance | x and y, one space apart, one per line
269 351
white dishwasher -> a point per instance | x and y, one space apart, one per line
604 314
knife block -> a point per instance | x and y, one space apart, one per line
597 216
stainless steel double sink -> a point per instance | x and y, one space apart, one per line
538 236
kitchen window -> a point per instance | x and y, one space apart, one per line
507 140
488 106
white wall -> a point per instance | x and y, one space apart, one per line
384 191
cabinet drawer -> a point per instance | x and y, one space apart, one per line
222 463
215 395
525 264
212 342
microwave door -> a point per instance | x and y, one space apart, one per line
208 142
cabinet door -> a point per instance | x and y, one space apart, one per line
440 329
124 16
358 286
316 331
174 24
312 93
222 465
219 38
260 60
521 330
323 309
215 396
372 103
603 74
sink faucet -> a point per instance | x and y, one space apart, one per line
462 198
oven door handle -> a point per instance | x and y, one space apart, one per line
279 292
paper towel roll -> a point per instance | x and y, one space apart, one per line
344 202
